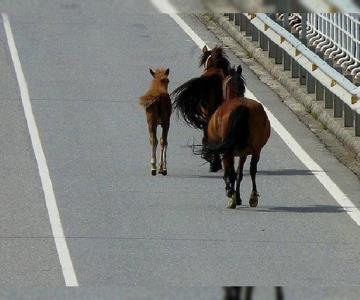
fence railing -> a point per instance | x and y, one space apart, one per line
336 36
286 38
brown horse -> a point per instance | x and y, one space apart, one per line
158 110
238 127
197 94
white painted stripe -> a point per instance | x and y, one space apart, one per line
50 200
164 6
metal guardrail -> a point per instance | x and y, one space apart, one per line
335 35
317 74
324 6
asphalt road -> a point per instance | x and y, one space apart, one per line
86 64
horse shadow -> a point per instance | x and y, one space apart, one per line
280 172
329 209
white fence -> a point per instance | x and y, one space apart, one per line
337 35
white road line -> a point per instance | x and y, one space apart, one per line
54 217
165 7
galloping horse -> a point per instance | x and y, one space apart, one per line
217 67
238 127
158 110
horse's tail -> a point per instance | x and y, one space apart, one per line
237 137
196 93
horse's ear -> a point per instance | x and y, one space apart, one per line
205 49
239 70
152 72
167 72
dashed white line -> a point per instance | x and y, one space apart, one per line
165 7
50 200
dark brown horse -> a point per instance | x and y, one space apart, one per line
206 88
239 127
157 105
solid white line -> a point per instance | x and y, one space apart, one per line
50 200
164 6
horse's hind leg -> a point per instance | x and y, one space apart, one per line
254 198
153 144
239 179
229 178
163 144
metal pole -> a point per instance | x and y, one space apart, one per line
287 60
295 68
237 19
329 97
348 112
319 88
303 39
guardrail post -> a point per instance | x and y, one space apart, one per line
237 19
287 60
319 88
338 104
338 107
249 28
264 42
243 20
303 39
357 124
348 112
294 65
255 34
272 47
329 96
278 50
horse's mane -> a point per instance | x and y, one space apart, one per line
237 81
220 59
190 96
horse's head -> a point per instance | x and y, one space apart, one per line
215 58
234 84
161 80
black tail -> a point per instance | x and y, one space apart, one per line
237 138
194 93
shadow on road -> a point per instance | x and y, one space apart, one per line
280 172
304 209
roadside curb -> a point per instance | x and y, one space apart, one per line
294 88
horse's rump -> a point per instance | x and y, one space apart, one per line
148 100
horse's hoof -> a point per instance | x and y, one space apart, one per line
232 202
230 193
153 172
163 172
254 200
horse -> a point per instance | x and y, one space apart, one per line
216 68
239 127
158 109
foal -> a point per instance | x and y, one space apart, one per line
157 105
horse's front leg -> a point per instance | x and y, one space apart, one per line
229 178
254 198
163 145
